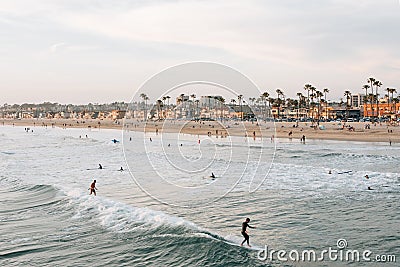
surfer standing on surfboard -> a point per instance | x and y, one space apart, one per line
245 224
93 188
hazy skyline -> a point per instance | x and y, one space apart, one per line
71 51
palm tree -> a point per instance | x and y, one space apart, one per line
326 91
271 101
216 103
193 97
167 97
222 103
388 98
307 87
159 108
319 94
377 85
392 91
395 101
300 95
279 92
179 102
145 98
347 94
366 87
371 98
312 96
371 81
264 98
240 98
365 100
163 100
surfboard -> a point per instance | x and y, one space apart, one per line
231 242
255 248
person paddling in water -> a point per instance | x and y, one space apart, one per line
367 177
93 188
245 224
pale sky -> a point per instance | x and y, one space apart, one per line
80 51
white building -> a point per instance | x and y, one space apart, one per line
357 100
210 101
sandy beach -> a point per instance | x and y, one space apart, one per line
353 131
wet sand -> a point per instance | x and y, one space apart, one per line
331 130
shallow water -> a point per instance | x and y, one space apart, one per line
47 217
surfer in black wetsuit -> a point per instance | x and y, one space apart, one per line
100 167
245 224
93 188
212 175
367 177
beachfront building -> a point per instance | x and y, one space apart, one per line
244 112
139 114
25 115
117 114
357 100
181 99
210 101
391 110
341 113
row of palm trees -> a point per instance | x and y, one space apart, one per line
264 102
313 100
182 101
373 98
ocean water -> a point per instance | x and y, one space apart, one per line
165 210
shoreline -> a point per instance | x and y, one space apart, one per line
330 130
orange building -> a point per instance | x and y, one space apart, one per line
385 109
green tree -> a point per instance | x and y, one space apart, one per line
145 98
377 85
308 87
371 82
240 99
347 94
279 92
326 91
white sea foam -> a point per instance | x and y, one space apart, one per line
121 217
